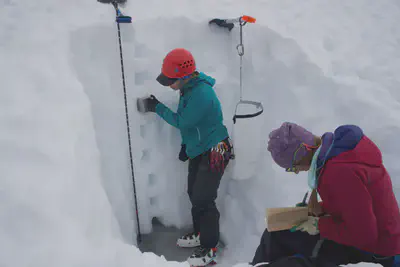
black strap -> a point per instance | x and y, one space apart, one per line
317 248
246 116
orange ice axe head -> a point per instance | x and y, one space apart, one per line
248 19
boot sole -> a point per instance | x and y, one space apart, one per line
187 246
211 263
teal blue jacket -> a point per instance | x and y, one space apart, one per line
199 116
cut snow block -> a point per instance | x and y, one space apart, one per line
153 201
145 156
152 179
143 131
279 219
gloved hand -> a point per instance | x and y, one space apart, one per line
151 103
182 154
310 226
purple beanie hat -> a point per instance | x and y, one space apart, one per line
284 141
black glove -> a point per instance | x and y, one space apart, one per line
182 154
151 103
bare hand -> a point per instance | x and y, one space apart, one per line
315 209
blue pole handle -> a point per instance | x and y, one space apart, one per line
124 19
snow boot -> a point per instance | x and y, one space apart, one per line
190 240
203 257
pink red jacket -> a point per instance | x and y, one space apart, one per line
357 194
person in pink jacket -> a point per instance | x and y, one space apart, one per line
358 219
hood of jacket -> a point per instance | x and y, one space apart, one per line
348 144
200 78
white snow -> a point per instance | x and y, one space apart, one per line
66 196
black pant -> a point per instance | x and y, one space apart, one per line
276 245
203 184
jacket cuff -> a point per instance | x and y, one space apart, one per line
160 108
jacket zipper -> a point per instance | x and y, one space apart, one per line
198 133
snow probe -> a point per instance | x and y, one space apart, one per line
120 18
229 24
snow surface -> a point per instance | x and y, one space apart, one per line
66 195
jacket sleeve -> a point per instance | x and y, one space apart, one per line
356 225
196 108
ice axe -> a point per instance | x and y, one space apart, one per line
222 23
229 23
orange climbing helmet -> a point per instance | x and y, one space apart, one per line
177 64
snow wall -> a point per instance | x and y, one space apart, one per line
66 189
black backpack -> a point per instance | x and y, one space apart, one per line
298 261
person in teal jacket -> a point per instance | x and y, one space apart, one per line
205 143
199 116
